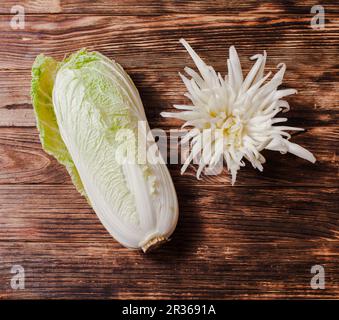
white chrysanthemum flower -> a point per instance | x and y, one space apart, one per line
237 114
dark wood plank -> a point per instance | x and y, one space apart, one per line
207 271
315 105
24 162
230 243
58 213
137 41
150 7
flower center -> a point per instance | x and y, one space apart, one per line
230 126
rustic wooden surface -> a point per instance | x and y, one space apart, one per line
258 239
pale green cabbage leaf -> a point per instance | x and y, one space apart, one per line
43 75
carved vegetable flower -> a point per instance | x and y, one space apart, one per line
235 118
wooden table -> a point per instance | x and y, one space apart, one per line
258 239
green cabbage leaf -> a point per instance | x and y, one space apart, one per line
43 76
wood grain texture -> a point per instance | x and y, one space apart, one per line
150 7
24 162
137 41
258 239
271 257
246 214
